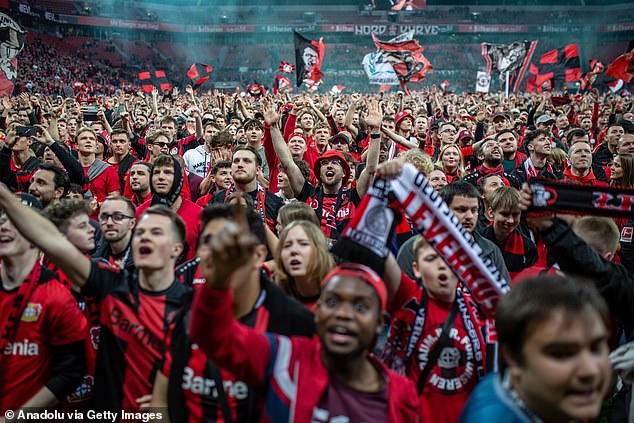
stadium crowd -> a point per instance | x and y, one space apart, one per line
174 253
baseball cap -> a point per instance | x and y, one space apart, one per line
544 119
30 200
465 133
333 154
364 273
500 115
345 135
402 115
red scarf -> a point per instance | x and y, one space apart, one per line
589 179
19 303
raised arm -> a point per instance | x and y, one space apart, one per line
347 123
228 342
373 120
271 118
400 139
45 235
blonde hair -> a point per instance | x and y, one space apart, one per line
421 161
557 156
320 264
461 171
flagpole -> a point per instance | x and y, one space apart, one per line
506 89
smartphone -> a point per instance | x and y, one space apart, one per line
90 113
26 131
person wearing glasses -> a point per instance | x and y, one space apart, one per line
334 204
116 220
137 305
157 143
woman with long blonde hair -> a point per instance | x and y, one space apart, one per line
451 160
302 261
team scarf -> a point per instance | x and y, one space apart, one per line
20 302
406 325
551 196
531 170
368 236
260 205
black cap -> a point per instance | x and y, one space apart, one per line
29 200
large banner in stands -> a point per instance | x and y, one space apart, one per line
402 29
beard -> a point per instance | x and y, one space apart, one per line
243 178
493 161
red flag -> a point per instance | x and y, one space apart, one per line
286 67
622 67
558 66
281 84
157 78
444 85
309 55
406 57
199 73
596 67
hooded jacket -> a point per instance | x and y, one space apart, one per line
289 368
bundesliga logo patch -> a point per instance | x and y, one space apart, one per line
32 312
626 234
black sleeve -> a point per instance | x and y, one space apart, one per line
353 196
33 118
307 191
627 247
530 119
140 148
576 257
109 115
479 133
103 279
70 163
7 176
68 365
430 110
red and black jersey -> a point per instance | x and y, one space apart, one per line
50 319
334 211
132 339
518 251
17 178
266 203
193 392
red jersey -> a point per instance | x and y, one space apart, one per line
334 211
134 323
104 184
460 364
50 318
190 213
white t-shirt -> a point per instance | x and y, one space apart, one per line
198 161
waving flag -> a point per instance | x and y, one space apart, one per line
309 55
513 58
406 57
378 69
281 84
622 67
288 68
596 67
199 73
12 38
558 66
156 78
